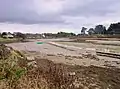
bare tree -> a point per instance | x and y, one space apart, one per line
83 30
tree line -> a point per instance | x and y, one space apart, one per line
12 35
113 29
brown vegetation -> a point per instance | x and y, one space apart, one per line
16 74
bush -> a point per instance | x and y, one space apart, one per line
16 74
11 67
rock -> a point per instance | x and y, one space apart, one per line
33 63
72 73
31 58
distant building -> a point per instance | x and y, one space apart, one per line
8 35
43 35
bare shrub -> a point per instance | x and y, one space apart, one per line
16 74
56 75
11 68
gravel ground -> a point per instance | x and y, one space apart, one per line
65 54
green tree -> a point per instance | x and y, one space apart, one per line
4 34
91 31
114 28
100 29
0 34
20 35
83 30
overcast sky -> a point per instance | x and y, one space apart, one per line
56 15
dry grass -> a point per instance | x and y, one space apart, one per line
55 76
16 74
12 66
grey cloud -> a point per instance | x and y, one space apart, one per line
32 18
93 8
21 11
17 11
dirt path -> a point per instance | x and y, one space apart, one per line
43 48
90 71
66 54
